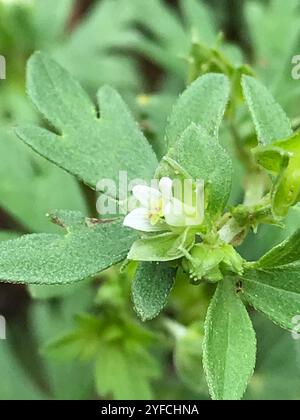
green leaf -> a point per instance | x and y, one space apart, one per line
229 345
270 120
89 147
272 286
201 157
151 288
287 252
160 248
87 249
204 103
275 292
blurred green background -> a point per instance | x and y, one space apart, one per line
84 341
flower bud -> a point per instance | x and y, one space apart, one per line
212 262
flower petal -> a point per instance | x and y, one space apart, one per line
178 214
147 196
139 219
166 188
174 213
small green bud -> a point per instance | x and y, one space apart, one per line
212 262
282 159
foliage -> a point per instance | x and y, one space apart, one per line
226 128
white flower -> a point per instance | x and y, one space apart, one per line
180 214
149 217
160 209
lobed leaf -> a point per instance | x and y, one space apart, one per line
85 250
89 147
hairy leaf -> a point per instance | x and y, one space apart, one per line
229 345
151 288
270 120
86 249
203 102
275 292
89 147
272 284
201 157
288 252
